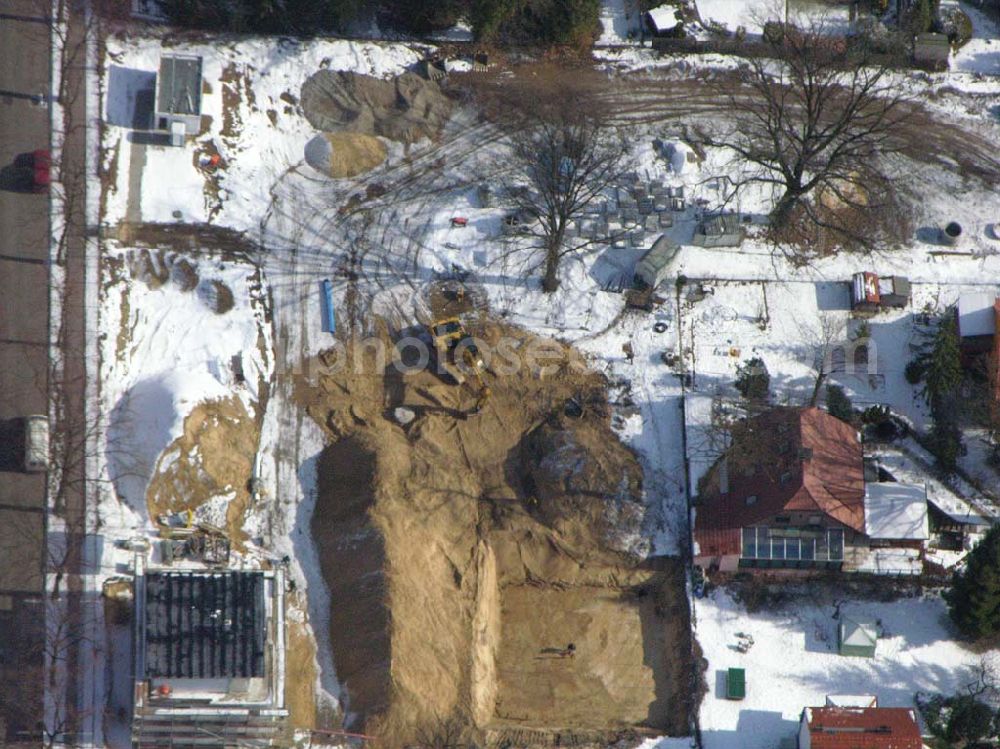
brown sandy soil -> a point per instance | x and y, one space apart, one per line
450 573
405 108
213 456
352 154
300 667
615 634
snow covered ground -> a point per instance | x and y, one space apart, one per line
621 21
165 351
793 662
259 137
732 14
982 53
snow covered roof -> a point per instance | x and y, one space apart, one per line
862 728
975 314
896 511
858 634
723 223
652 265
851 700
663 17
953 511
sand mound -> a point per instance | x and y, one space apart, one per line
573 471
343 155
453 592
406 108
207 468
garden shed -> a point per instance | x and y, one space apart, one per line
856 638
178 93
654 266
662 19
932 50
721 230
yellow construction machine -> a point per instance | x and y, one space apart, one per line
458 355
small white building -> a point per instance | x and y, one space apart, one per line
655 266
976 315
662 19
178 94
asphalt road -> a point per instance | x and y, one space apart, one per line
24 247
24 322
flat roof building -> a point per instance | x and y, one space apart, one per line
896 512
178 94
209 659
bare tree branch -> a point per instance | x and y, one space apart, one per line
815 123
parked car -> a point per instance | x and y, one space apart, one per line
36 443
41 167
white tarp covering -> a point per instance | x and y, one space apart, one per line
896 511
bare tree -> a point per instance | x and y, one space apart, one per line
825 343
564 154
814 121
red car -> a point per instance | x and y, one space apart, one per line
41 166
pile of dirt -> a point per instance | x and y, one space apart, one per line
454 589
343 155
406 108
572 471
300 663
216 296
208 467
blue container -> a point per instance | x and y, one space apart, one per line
326 303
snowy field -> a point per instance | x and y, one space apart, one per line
165 351
793 662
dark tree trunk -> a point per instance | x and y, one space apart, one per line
550 282
820 379
782 212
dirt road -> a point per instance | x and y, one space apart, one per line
927 135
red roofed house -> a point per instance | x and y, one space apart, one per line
790 494
859 728
978 322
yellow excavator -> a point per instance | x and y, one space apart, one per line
458 355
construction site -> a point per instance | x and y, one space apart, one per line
434 502
475 530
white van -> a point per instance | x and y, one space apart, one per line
36 444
